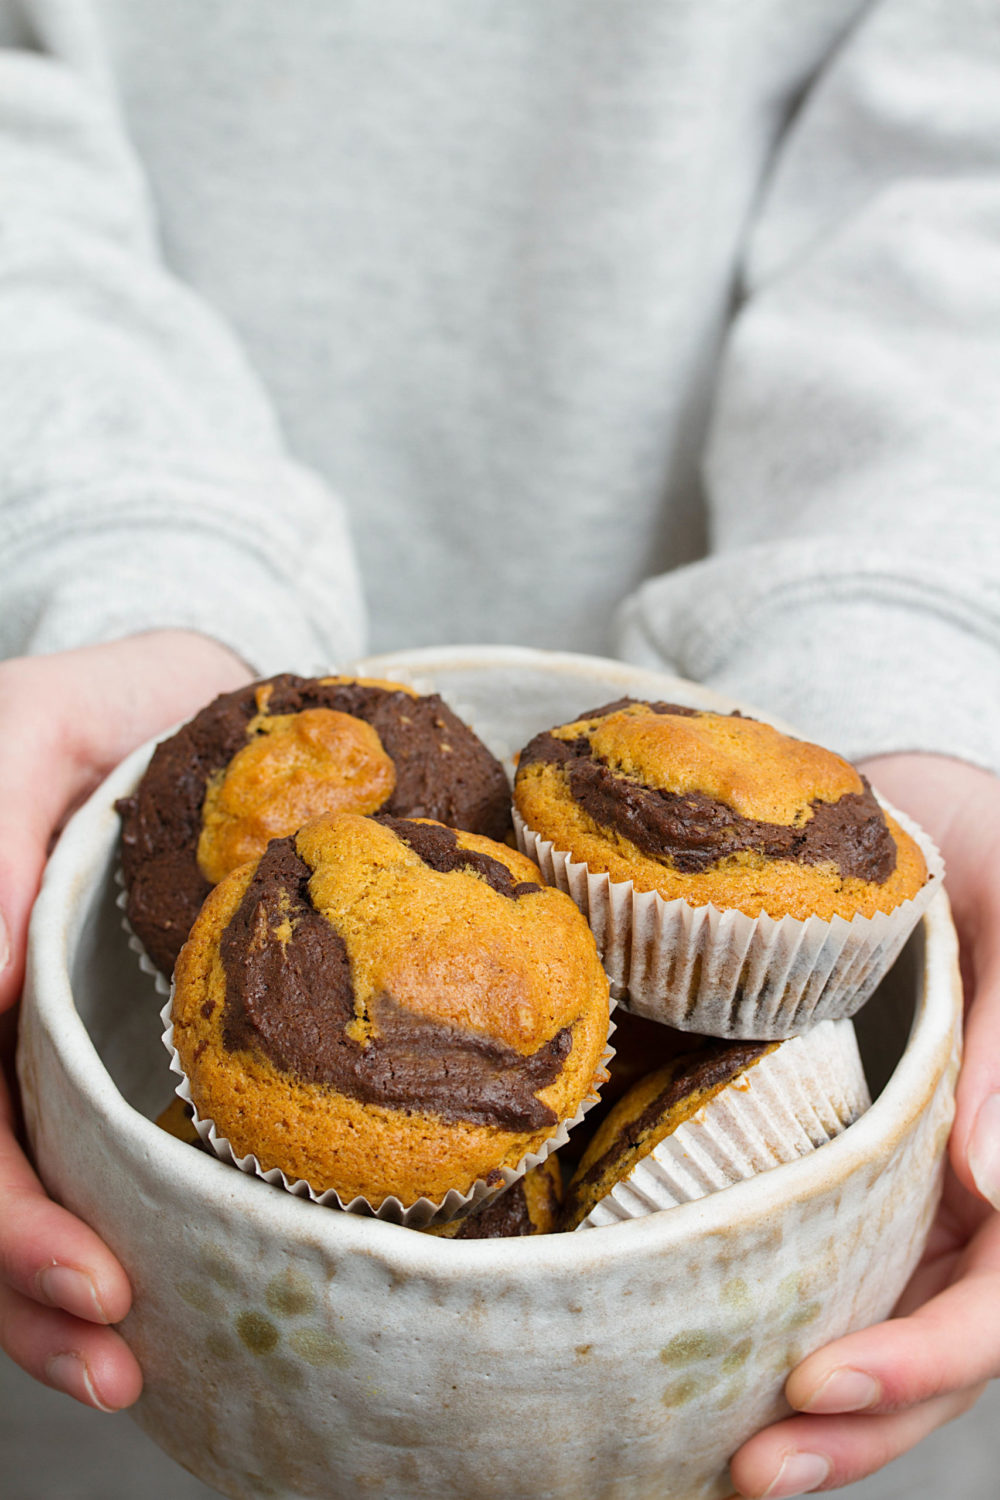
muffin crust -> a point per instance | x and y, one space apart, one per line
376 1025
716 808
259 762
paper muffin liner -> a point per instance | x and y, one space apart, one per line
724 974
784 1106
419 1215
146 964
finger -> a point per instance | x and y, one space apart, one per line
37 785
950 1343
73 716
93 1365
46 1254
806 1454
975 1141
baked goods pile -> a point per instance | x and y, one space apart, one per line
379 1001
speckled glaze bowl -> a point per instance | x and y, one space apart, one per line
291 1350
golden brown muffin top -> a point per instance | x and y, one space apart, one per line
413 998
716 808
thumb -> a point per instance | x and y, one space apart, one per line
38 785
975 1142
68 719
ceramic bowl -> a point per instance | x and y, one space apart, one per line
292 1350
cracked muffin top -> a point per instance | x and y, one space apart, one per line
716 808
387 1007
257 763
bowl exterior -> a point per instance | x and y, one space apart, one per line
291 1351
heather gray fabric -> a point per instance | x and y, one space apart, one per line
670 328
488 282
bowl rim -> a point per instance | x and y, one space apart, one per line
83 854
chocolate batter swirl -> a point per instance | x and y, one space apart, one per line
291 997
714 1064
692 831
439 848
443 771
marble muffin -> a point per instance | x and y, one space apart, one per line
716 1113
257 763
531 1205
389 1008
716 808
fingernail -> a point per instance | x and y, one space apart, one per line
72 1290
843 1390
69 1373
984 1150
799 1474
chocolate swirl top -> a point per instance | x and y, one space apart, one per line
441 770
693 830
290 995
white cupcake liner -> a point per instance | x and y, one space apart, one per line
724 974
146 964
784 1106
419 1215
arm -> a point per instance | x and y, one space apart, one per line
65 721
852 473
872 1395
852 463
143 483
143 478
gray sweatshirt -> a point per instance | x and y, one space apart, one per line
670 328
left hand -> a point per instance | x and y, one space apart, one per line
871 1396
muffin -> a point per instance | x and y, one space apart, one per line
259 762
714 1116
390 1011
741 883
531 1205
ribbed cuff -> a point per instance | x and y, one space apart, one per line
169 581
863 666
258 559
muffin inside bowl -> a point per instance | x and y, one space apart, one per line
292 1350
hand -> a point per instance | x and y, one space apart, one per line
873 1395
66 720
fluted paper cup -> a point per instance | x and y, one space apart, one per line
724 974
790 1102
418 1215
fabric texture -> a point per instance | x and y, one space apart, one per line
670 330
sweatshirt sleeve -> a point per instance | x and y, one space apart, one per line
143 481
852 468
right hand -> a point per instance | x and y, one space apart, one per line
65 721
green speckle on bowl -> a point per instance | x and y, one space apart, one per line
317 1347
736 1293
285 1373
220 1345
695 1344
736 1357
202 1298
730 1394
290 1294
683 1391
258 1333
220 1269
807 1313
